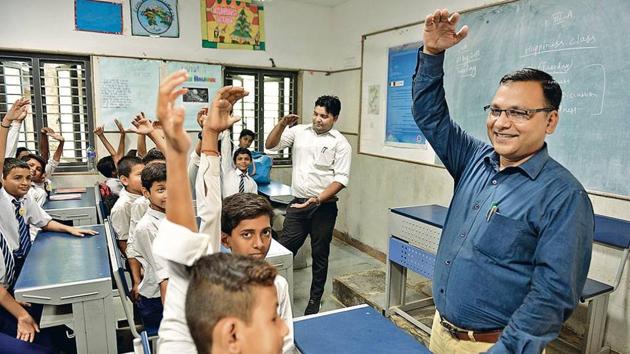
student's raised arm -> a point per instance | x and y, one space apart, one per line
52 164
179 209
274 136
12 122
144 126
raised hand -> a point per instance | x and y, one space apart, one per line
440 31
170 116
201 116
51 133
121 128
99 130
290 120
18 110
141 125
219 117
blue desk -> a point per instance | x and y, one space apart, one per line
276 192
62 269
359 329
79 212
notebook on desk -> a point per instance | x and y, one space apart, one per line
71 190
57 197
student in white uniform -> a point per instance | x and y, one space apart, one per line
151 291
177 243
129 170
236 178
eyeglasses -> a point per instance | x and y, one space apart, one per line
517 115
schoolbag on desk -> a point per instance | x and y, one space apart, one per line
263 165
107 197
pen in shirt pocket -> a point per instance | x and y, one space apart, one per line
324 149
493 210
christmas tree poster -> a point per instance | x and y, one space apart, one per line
232 24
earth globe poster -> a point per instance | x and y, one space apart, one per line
154 18
232 24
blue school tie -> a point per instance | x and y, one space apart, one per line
25 237
241 184
9 262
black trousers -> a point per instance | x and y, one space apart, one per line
319 223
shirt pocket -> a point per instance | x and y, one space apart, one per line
325 157
506 239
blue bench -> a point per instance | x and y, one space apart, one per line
417 253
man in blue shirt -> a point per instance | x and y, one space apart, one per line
516 246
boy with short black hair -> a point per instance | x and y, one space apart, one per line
150 291
246 138
236 178
245 319
129 171
107 165
40 187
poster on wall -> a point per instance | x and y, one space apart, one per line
98 16
400 129
154 18
204 80
231 24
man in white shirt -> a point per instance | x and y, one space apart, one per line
321 169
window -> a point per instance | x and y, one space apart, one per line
272 95
59 88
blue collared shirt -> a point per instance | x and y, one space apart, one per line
521 269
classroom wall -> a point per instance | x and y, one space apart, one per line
377 184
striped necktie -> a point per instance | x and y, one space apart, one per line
25 237
241 184
9 262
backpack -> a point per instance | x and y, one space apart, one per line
263 167
107 197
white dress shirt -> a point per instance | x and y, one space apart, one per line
142 241
51 166
180 248
13 136
34 215
318 159
3 275
138 209
121 214
232 179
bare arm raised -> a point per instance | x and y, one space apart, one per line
440 31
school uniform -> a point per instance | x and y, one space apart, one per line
150 303
121 214
137 211
236 181
13 136
318 161
180 248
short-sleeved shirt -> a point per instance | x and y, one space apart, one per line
121 214
153 270
34 215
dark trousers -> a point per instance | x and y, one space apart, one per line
151 310
319 223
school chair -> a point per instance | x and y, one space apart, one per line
141 345
122 283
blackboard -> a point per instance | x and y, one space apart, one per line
582 43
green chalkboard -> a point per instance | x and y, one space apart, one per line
585 45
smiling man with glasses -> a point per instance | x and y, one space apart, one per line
516 245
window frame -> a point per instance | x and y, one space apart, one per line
39 115
259 102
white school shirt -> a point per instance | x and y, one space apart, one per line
34 215
318 159
232 179
180 248
51 166
3 270
13 136
139 207
38 193
121 214
153 269
115 185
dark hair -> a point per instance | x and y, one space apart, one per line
132 153
241 151
243 206
222 285
11 163
153 155
551 89
247 132
332 104
36 158
126 164
106 167
151 173
20 150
